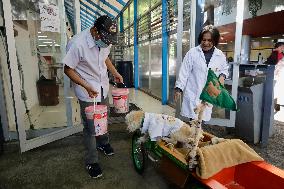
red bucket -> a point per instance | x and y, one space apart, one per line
99 117
120 100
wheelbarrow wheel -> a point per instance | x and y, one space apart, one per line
138 153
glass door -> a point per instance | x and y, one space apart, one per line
45 108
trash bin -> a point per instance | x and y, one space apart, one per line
125 69
248 119
48 92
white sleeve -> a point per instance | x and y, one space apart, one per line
184 71
224 67
72 58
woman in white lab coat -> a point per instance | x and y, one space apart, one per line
193 72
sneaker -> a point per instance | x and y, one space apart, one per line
94 170
107 149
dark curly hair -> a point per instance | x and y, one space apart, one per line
214 34
278 44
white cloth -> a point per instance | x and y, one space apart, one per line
160 125
279 77
193 76
89 62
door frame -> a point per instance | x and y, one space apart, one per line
25 144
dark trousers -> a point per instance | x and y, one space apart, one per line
91 141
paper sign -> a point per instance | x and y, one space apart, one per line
49 16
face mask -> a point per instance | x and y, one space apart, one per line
100 43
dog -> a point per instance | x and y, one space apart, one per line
172 130
159 127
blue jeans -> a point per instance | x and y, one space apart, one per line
91 141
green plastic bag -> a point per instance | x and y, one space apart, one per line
220 97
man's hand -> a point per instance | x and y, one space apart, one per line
118 78
92 93
71 73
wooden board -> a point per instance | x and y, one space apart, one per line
179 156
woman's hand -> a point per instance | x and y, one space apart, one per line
177 95
222 80
213 90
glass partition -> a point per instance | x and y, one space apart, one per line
186 27
223 15
70 15
144 67
262 34
39 46
143 6
125 18
156 68
131 13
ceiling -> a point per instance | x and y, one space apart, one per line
91 9
260 26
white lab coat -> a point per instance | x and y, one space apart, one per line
279 77
193 76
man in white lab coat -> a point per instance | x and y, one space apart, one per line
86 64
193 72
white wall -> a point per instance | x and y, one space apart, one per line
29 65
268 6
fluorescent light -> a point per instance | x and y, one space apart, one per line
265 37
42 36
39 32
40 39
47 42
56 45
42 45
223 33
223 43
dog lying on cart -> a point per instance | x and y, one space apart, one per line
189 154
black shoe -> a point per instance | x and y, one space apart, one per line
94 170
107 149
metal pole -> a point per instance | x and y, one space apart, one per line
16 88
267 109
66 81
179 36
165 53
192 23
237 57
77 16
136 62
199 19
121 23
